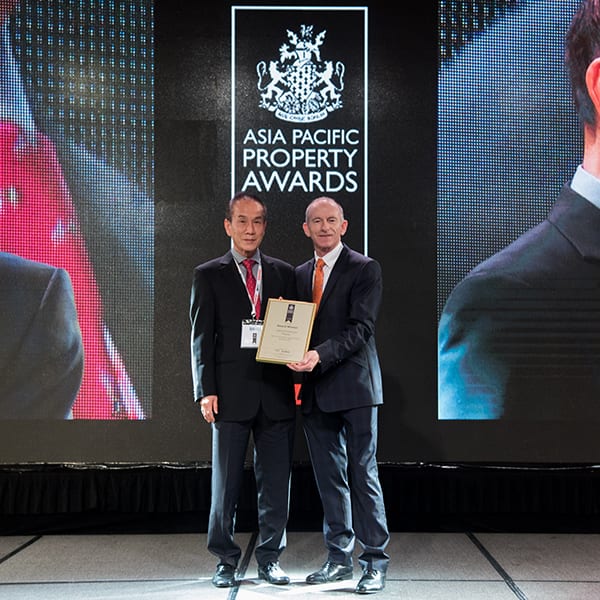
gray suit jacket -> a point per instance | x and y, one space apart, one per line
41 352
518 336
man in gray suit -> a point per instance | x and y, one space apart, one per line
340 395
41 352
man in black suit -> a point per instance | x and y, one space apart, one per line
518 336
340 395
239 395
41 352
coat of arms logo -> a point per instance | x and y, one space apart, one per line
300 86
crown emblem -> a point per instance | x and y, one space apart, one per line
300 86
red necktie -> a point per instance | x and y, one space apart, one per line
318 283
251 283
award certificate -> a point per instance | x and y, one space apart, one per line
286 331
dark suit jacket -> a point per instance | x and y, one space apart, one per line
519 336
41 352
219 303
348 375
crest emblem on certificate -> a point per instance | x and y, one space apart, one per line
301 86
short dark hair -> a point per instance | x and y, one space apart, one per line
582 46
244 196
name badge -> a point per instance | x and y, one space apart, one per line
251 329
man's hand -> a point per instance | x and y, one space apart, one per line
309 361
210 407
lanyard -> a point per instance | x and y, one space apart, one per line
254 301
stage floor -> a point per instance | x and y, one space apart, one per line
424 566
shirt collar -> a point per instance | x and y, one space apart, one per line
586 185
239 257
331 256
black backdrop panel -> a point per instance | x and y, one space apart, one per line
192 181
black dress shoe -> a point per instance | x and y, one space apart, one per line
273 573
224 576
371 581
329 572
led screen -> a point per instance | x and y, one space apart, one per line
518 335
77 182
446 130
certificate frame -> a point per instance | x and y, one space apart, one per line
286 331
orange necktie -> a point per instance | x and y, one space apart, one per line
318 283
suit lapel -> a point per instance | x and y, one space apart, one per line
579 220
337 271
306 280
231 275
267 281
229 267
